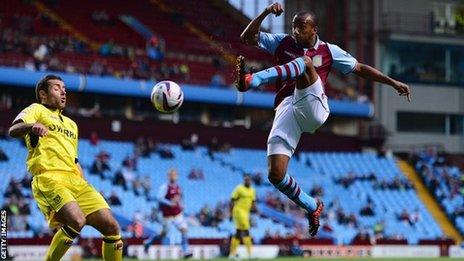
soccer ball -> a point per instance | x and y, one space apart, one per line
167 96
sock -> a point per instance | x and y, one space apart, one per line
234 242
248 243
61 242
152 239
112 248
184 244
283 72
292 190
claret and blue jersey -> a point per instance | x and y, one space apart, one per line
324 56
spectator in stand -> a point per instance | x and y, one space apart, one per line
114 200
130 161
367 210
101 164
156 48
379 229
3 156
257 179
317 191
196 174
94 140
217 80
165 152
191 143
184 71
404 216
414 217
136 227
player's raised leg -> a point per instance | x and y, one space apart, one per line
104 222
73 220
283 72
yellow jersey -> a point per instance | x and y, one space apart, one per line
243 197
57 151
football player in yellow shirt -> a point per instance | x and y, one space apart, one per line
63 195
242 203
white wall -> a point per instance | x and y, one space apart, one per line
426 99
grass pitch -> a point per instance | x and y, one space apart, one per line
317 258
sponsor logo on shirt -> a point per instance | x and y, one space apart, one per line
60 129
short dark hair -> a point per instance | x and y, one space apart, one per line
305 14
43 85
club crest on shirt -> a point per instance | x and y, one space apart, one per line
317 60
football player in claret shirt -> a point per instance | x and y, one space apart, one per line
63 195
171 206
303 65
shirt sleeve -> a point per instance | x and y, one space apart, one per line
253 196
162 195
342 60
235 193
31 114
269 42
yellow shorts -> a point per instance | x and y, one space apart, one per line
241 219
52 190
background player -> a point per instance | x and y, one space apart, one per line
170 202
66 199
242 203
301 104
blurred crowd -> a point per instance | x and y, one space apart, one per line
36 50
444 179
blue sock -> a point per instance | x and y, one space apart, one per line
283 72
292 190
152 239
184 244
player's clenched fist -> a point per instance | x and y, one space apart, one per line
39 129
275 8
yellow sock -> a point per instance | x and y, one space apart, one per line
61 242
234 242
248 243
112 248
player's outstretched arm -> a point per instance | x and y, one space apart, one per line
367 72
250 34
18 130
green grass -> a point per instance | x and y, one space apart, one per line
317 258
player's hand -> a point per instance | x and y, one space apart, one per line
403 90
275 8
39 129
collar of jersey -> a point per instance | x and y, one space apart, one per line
316 44
52 109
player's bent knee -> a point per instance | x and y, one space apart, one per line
77 223
274 177
112 228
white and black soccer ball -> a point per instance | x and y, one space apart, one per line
167 96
